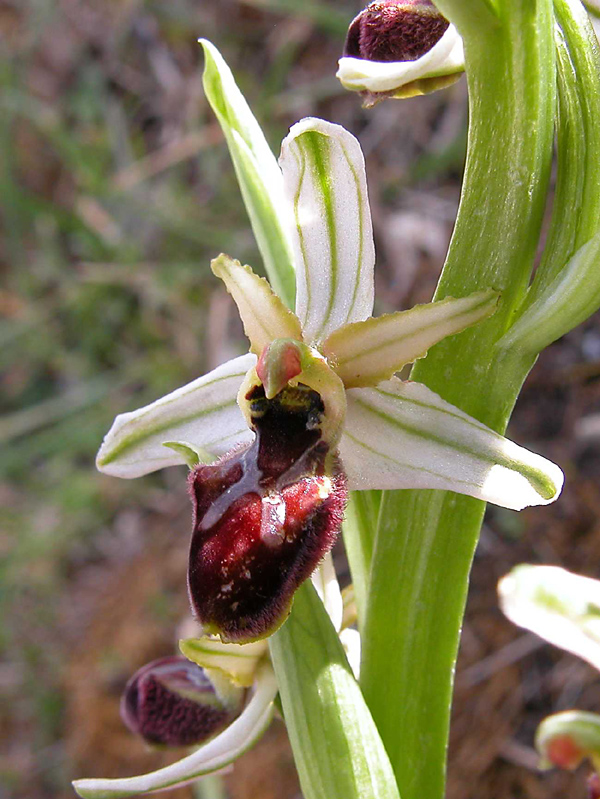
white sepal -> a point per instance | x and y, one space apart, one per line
445 58
403 435
561 607
204 413
215 755
326 186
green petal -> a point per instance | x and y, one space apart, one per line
237 661
365 353
263 314
257 171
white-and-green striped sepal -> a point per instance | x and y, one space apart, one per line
257 171
405 78
325 185
365 353
204 413
213 756
403 435
559 606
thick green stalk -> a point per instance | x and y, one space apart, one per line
338 752
426 539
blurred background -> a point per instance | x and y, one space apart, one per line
116 190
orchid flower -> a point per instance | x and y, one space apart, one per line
400 49
315 408
391 434
563 608
231 668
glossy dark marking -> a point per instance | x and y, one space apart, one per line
264 516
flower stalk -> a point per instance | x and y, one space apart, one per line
426 540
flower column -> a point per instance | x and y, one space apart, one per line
426 540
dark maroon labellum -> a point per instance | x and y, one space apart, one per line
172 702
264 516
395 31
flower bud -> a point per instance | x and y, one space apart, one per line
172 702
565 739
264 516
395 31
400 49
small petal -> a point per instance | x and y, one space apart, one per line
238 662
264 315
559 606
325 183
402 435
204 413
240 736
365 353
438 68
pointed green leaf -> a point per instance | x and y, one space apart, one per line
263 314
337 748
325 184
365 353
566 302
242 734
256 168
402 435
204 414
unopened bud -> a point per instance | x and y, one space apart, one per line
172 702
565 739
264 516
593 786
395 31
400 49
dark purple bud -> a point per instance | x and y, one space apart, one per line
264 516
593 786
395 31
172 702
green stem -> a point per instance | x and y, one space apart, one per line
426 539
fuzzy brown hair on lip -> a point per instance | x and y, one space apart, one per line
264 517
